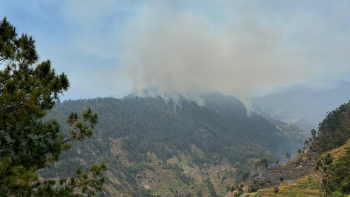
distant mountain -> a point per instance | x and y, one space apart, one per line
158 147
305 105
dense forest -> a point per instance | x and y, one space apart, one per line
334 130
218 132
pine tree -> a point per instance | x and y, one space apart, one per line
289 156
29 89
313 133
299 151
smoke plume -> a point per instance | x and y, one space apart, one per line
188 53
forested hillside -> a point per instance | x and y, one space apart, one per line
334 130
171 148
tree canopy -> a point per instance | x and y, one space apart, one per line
334 129
29 89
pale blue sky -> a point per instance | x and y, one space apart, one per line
103 45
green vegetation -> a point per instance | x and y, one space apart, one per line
239 190
210 187
334 129
262 163
313 133
289 156
255 187
337 177
27 144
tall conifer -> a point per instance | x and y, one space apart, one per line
29 89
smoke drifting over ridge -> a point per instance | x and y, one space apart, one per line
183 52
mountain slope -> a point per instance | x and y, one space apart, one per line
323 168
153 146
316 182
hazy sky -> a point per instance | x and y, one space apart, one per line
237 47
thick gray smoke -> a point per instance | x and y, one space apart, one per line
183 52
